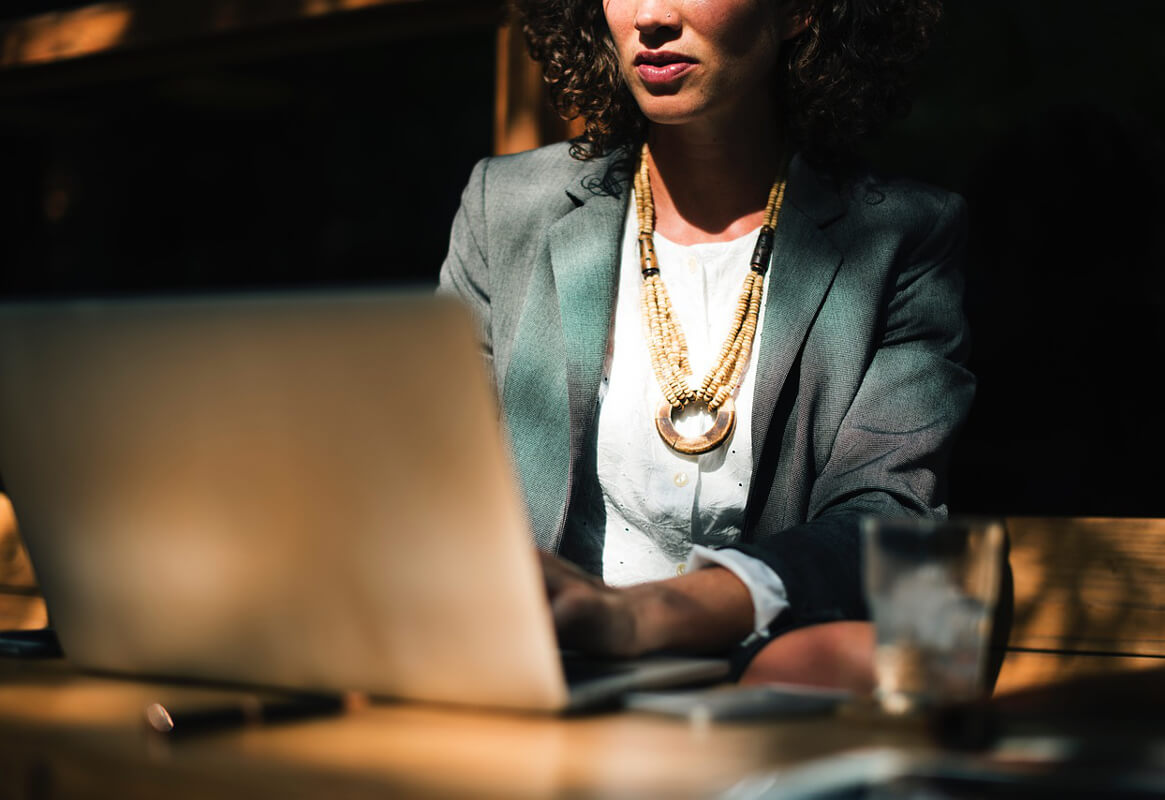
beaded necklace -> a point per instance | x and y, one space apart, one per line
666 342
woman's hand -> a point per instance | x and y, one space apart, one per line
702 612
588 614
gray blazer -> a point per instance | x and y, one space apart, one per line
860 381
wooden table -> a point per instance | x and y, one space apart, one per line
66 734
1089 599
1089 604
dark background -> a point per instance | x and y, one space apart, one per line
1048 116
285 170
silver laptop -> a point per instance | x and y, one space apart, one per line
302 491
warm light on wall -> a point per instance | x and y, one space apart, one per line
106 26
312 7
523 118
67 35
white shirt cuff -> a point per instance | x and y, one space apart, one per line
769 597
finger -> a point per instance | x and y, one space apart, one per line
553 573
559 572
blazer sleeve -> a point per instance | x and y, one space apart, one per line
465 273
890 453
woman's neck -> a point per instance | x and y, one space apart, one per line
711 184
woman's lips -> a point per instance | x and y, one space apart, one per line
661 68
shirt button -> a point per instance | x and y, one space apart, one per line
681 569
681 479
693 264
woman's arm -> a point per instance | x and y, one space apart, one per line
707 611
465 272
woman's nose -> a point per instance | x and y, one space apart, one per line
651 15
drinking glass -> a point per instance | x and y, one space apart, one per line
932 586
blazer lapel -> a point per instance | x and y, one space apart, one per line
584 252
803 266
553 380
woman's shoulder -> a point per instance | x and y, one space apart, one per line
541 163
861 198
897 212
905 202
547 169
511 202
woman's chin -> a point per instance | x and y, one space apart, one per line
671 114
684 110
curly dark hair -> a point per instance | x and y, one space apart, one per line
839 80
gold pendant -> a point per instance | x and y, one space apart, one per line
722 427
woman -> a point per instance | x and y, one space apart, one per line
710 328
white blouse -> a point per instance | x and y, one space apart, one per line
662 511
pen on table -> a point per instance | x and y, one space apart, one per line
174 721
